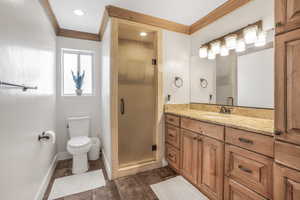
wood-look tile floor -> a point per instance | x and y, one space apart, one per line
134 187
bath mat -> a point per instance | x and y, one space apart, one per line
177 188
76 183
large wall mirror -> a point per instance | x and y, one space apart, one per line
239 79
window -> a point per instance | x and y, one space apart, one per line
74 61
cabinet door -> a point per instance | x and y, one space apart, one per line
211 167
287 14
287 82
286 183
236 191
189 150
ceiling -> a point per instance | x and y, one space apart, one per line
180 11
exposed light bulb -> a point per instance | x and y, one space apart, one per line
261 40
241 46
224 51
250 34
216 47
211 55
203 52
230 41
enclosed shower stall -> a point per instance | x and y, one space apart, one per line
136 97
136 93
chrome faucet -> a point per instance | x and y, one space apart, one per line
225 110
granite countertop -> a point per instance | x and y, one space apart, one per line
260 125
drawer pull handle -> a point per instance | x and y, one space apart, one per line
277 132
245 169
170 135
195 138
170 119
244 140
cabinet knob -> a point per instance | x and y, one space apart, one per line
277 132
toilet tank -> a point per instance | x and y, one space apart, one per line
79 126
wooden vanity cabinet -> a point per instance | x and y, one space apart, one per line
203 161
211 167
286 183
287 93
287 15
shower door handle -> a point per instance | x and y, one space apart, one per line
122 106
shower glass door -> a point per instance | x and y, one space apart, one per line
136 93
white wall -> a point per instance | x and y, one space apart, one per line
256 79
203 68
176 62
105 100
68 106
27 56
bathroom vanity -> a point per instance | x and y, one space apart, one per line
221 154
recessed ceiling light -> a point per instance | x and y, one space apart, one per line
143 34
78 12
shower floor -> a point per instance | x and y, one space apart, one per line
134 187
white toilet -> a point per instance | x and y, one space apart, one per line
79 143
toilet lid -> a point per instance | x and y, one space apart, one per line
79 141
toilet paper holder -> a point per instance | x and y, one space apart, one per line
43 136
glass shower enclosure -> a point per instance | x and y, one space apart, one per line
136 95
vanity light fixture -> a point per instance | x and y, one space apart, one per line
236 40
261 40
231 41
224 51
250 34
211 55
78 12
216 47
203 52
143 34
241 46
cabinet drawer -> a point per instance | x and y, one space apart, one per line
173 156
172 119
250 169
251 141
211 130
236 191
287 154
173 135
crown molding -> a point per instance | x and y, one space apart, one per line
49 12
78 35
104 22
121 13
129 15
216 14
65 32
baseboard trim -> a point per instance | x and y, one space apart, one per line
42 190
107 165
63 156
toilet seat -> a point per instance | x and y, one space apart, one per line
79 142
